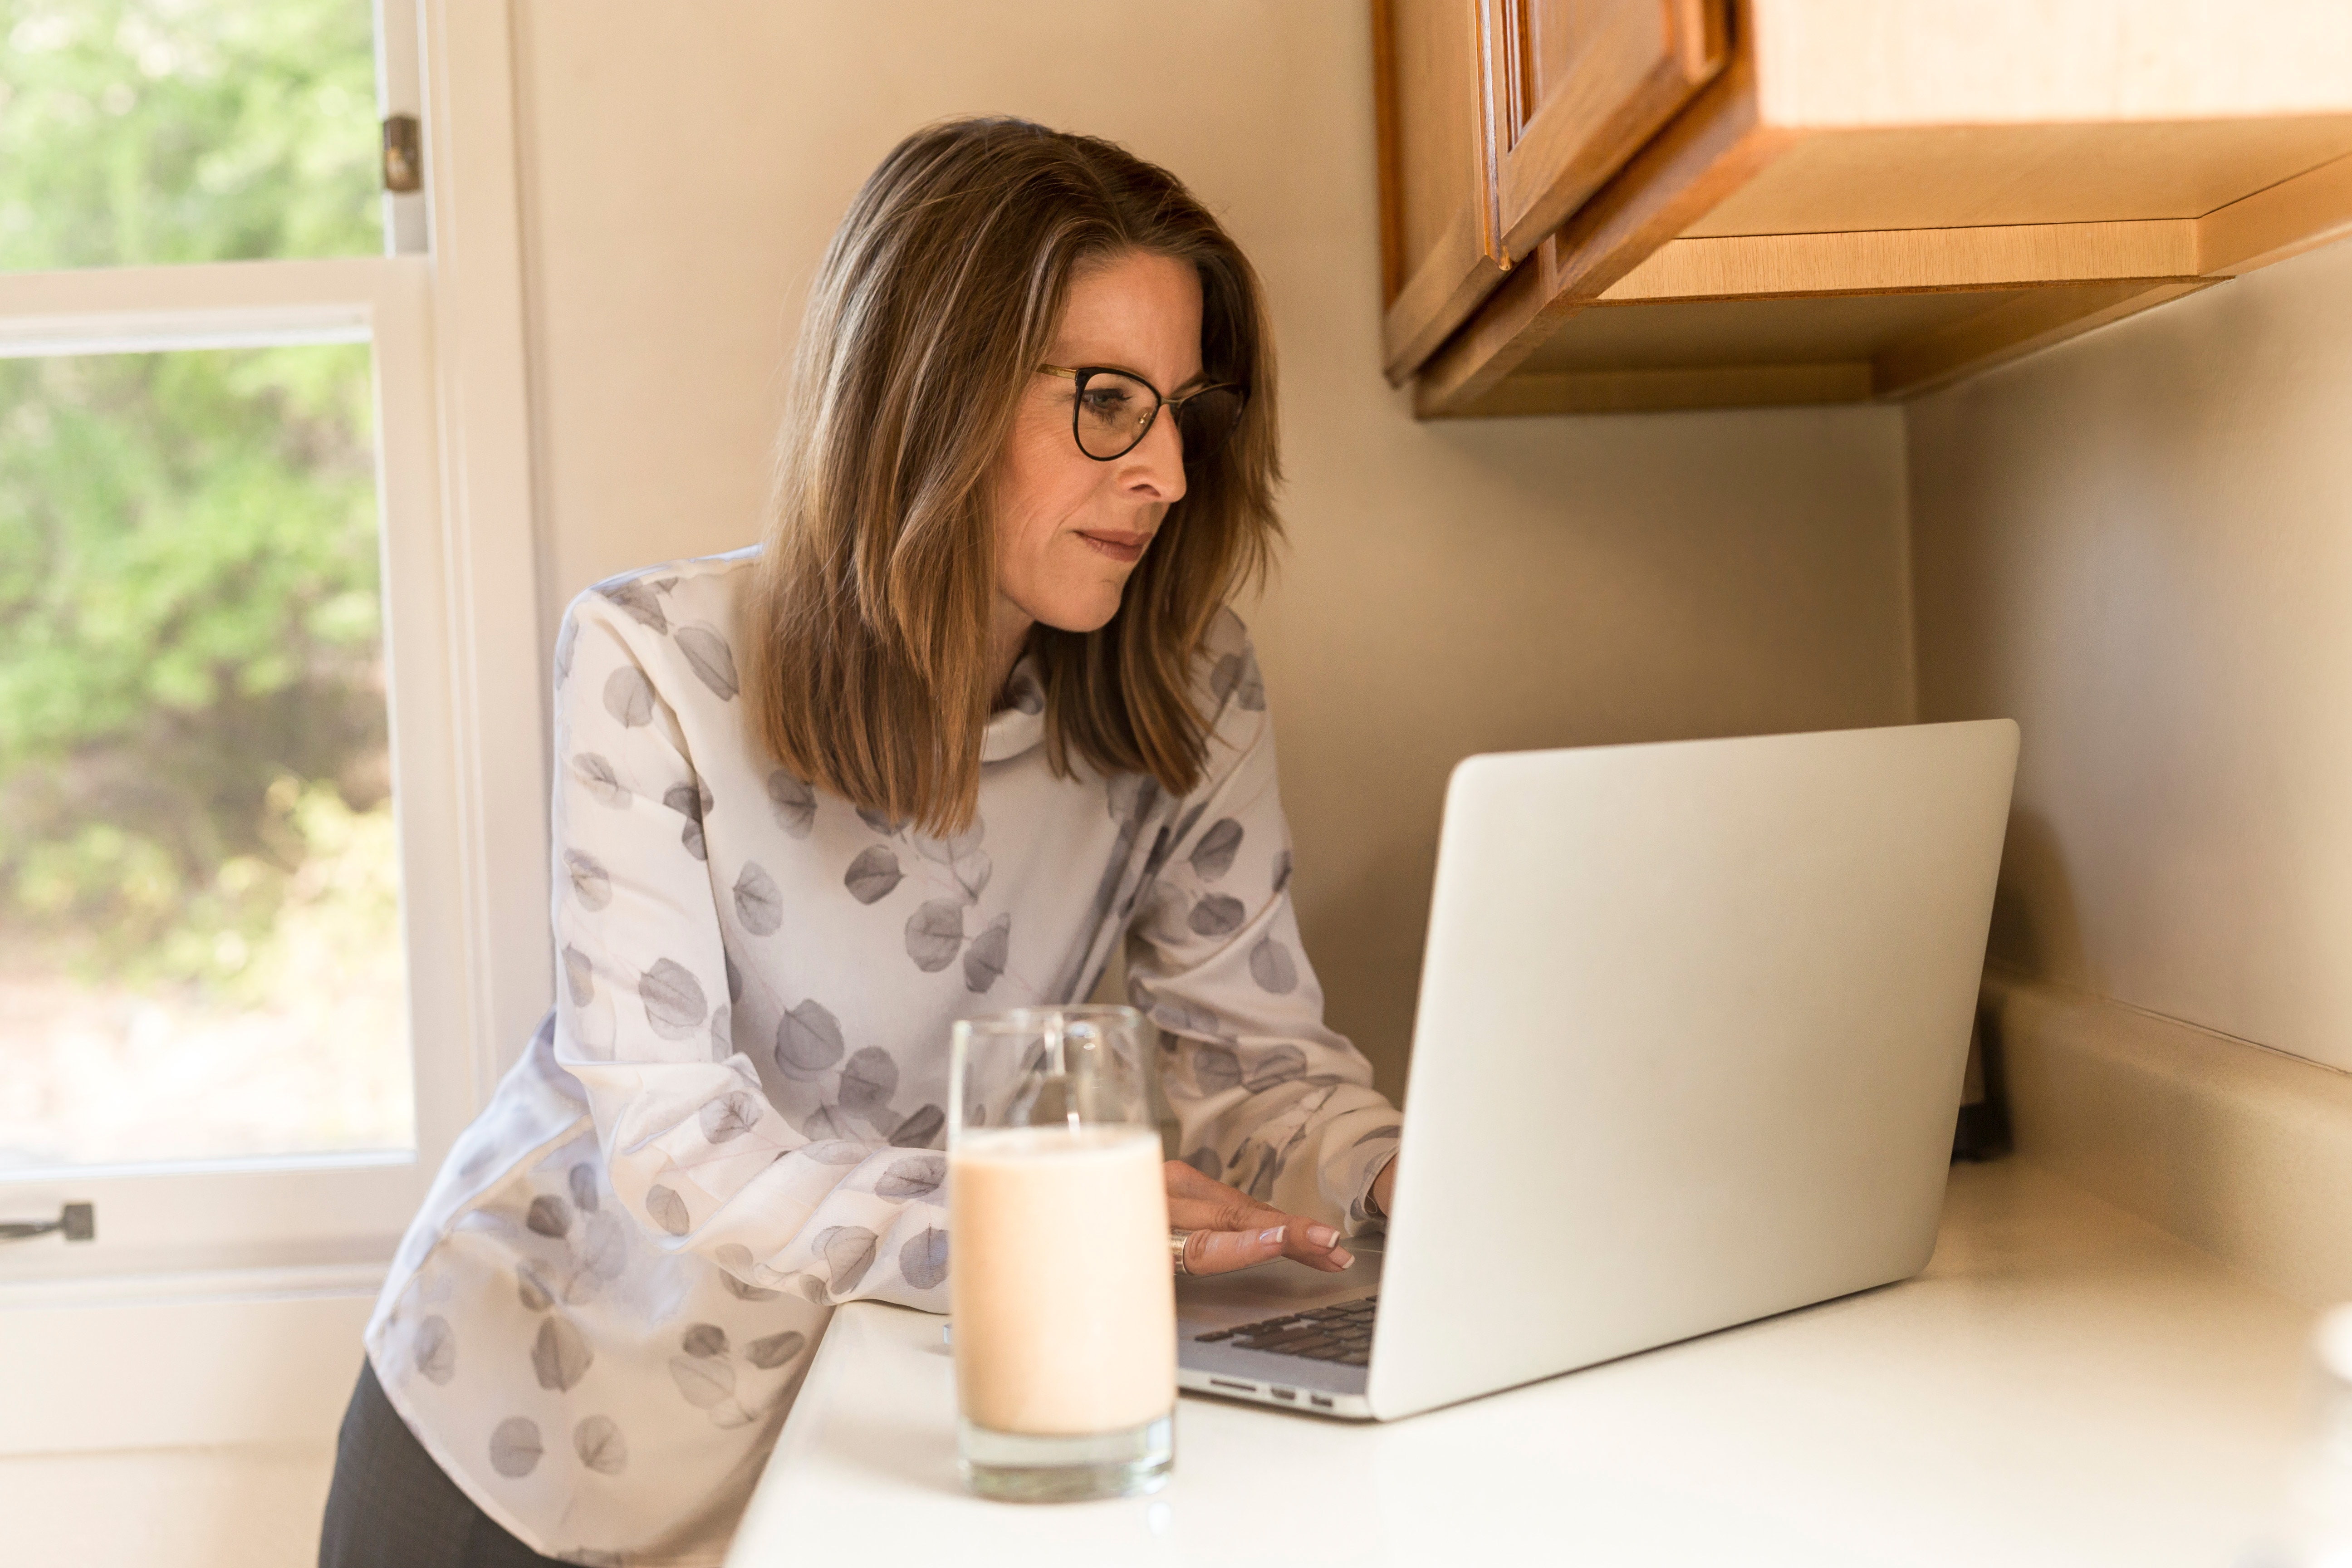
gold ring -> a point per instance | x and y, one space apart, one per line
1176 1241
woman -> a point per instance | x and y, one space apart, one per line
973 716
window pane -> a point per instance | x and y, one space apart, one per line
157 131
200 950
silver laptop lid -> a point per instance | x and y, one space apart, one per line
1692 1024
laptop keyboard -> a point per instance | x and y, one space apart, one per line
1342 1333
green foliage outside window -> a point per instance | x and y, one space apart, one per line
192 722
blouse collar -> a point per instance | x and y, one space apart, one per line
1022 725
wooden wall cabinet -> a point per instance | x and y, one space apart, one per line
1596 204
1497 118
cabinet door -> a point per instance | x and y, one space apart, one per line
1440 250
1578 86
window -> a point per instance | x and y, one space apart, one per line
248 710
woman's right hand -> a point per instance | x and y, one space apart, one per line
1232 1230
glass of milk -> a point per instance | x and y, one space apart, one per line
1062 1288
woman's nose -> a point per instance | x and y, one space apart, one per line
1155 469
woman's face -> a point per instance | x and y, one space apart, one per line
1069 529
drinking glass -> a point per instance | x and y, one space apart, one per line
1062 1289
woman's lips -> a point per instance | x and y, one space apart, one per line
1125 548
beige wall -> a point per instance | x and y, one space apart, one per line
1449 589
2140 547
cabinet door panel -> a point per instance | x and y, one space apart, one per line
1579 85
1439 249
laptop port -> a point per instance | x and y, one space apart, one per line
1243 1387
1283 1393
1317 1401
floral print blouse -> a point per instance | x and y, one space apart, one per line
733 1119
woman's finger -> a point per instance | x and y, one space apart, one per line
1201 1203
1222 1251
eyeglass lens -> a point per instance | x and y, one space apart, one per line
1115 412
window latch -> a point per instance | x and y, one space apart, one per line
404 154
78 1221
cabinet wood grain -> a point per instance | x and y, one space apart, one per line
1850 199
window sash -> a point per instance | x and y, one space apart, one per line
310 1207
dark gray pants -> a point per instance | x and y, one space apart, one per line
392 1507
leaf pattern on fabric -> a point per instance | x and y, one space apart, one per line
548 1216
723 1033
808 1041
731 1116
629 697
515 1446
734 977
1282 871
935 934
669 1210
984 961
744 1290
578 976
1213 857
792 803
873 874
1185 1017
971 874
1391 1131
560 1354
916 1176
949 850
712 662
704 1383
603 1254
596 776
704 1341
598 1442
531 1289
1277 1064
836 1151
868 1079
583 1182
1216 1069
923 1261
1270 965
921 1131
1236 677
638 600
849 1253
758 904
1205 1159
673 1000
591 883
1219 914
690 801
880 821
434 1350
774 1350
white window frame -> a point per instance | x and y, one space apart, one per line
272 1263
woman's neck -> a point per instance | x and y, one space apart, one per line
1008 634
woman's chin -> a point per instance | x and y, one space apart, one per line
1079 614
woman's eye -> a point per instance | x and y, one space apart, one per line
1104 404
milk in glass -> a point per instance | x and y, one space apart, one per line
1064 1308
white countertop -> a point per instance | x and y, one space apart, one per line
2066 1384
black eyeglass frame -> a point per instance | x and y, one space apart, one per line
1083 374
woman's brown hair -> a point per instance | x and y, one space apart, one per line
866 629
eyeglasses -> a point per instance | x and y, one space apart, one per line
1114 410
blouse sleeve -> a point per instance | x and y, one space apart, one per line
1267 1097
698 1154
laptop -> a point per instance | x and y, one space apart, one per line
1688 1053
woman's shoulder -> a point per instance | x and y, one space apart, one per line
677 615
